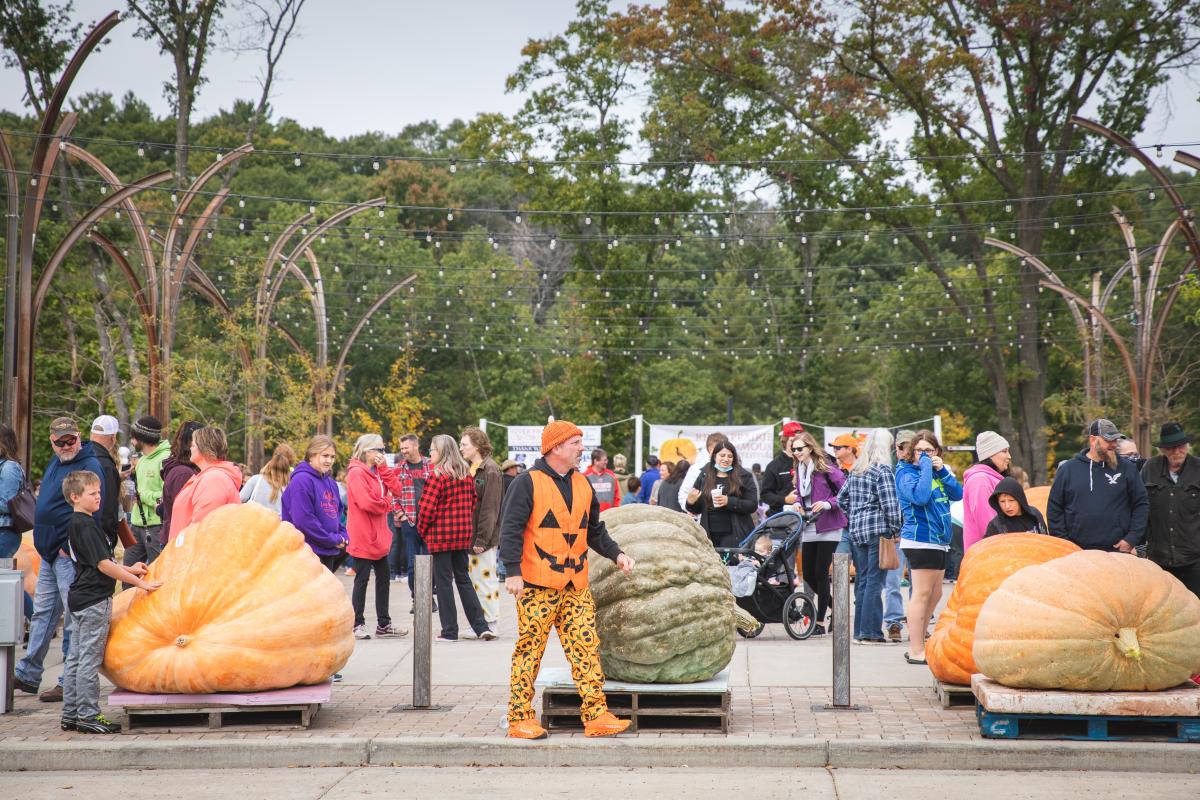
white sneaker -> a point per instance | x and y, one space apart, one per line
360 632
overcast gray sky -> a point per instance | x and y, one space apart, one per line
363 65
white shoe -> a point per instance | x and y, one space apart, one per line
361 632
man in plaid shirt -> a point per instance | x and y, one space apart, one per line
413 471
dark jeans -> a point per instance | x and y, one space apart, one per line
363 568
955 556
1188 575
397 556
414 546
450 570
815 559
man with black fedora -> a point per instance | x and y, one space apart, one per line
1172 481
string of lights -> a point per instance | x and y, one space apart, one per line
587 216
530 164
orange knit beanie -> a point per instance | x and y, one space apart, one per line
558 432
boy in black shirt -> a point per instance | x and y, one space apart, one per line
90 604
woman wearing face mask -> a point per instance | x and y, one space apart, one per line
926 489
724 495
818 481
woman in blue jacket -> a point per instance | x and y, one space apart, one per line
311 501
926 489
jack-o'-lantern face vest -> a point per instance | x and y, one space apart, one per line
555 551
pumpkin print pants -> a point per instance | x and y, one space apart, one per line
573 612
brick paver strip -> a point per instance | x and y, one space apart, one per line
478 711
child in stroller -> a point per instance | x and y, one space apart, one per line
762 571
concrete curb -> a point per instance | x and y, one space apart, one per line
682 751
113 753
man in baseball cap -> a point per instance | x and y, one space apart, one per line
1098 500
776 485
50 521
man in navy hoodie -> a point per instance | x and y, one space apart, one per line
1098 500
57 573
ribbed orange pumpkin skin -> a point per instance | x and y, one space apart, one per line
245 606
1090 621
986 565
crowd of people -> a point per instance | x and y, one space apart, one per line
888 492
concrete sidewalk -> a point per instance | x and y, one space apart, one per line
776 683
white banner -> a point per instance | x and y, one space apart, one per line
755 443
525 443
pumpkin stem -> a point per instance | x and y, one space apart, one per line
182 641
1127 643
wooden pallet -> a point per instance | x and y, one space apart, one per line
280 710
953 696
1172 715
702 707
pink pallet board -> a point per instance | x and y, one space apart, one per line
296 695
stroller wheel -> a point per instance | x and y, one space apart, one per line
799 616
754 633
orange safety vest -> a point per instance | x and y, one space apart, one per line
555 550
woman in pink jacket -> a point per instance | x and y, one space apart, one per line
978 483
215 485
370 486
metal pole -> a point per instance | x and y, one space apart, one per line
841 630
483 424
639 464
422 630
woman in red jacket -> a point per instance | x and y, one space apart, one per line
370 484
446 521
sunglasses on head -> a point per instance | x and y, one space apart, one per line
65 441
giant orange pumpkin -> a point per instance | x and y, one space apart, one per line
675 450
986 565
1090 621
244 606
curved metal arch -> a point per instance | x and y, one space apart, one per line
189 194
345 351
140 230
81 227
144 307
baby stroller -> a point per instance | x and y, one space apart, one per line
773 598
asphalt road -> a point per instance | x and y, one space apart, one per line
594 784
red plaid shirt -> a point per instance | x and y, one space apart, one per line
407 473
446 515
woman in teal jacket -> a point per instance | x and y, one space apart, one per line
926 489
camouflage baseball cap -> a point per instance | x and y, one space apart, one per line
63 425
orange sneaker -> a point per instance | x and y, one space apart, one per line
605 725
526 729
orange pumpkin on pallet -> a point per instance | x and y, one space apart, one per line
244 606
1090 622
986 565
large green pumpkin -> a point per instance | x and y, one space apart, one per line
671 620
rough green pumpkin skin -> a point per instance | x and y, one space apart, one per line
671 620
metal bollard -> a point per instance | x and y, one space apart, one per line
841 630
422 631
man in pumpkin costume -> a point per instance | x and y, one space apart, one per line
550 519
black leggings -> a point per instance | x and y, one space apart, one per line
363 567
450 570
815 559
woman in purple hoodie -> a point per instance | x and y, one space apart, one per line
312 503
